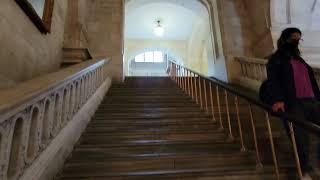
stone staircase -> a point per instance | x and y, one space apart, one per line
147 128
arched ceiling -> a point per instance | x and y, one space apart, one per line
304 14
177 18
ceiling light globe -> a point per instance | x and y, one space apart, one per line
159 31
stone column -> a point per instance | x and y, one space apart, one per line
75 41
106 32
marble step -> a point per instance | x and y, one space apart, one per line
147 128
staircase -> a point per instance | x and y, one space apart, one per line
147 128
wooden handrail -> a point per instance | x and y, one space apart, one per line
307 125
177 76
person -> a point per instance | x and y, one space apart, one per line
295 91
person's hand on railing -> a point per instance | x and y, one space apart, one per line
278 106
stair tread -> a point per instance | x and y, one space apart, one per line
216 171
147 128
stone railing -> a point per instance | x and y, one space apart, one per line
255 69
34 112
317 74
252 68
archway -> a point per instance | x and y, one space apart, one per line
191 38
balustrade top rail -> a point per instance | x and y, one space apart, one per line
252 60
25 92
262 61
308 125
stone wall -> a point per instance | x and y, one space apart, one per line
133 47
105 24
24 51
260 25
196 46
245 31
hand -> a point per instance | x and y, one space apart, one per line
278 106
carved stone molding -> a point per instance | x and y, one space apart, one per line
40 111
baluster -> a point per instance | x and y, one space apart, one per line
200 93
16 162
205 95
170 70
176 73
173 72
184 80
255 71
259 164
47 118
251 72
264 71
261 72
192 77
250 69
189 82
242 69
179 77
274 157
239 124
246 70
295 150
211 99
196 88
219 109
231 138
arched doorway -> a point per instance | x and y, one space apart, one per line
190 29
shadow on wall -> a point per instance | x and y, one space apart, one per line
5 82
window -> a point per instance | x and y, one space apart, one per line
158 56
139 58
148 57
151 56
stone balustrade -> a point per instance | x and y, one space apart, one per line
317 74
254 69
34 112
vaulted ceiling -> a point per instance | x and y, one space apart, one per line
305 14
176 16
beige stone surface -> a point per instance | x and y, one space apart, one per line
245 32
26 92
105 24
24 51
50 162
133 47
260 22
75 28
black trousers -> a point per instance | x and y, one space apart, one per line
307 110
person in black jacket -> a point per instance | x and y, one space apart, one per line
294 90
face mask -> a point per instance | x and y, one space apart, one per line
293 44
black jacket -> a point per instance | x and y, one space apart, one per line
280 76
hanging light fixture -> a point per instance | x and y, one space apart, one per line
158 30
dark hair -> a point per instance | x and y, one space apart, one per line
285 35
